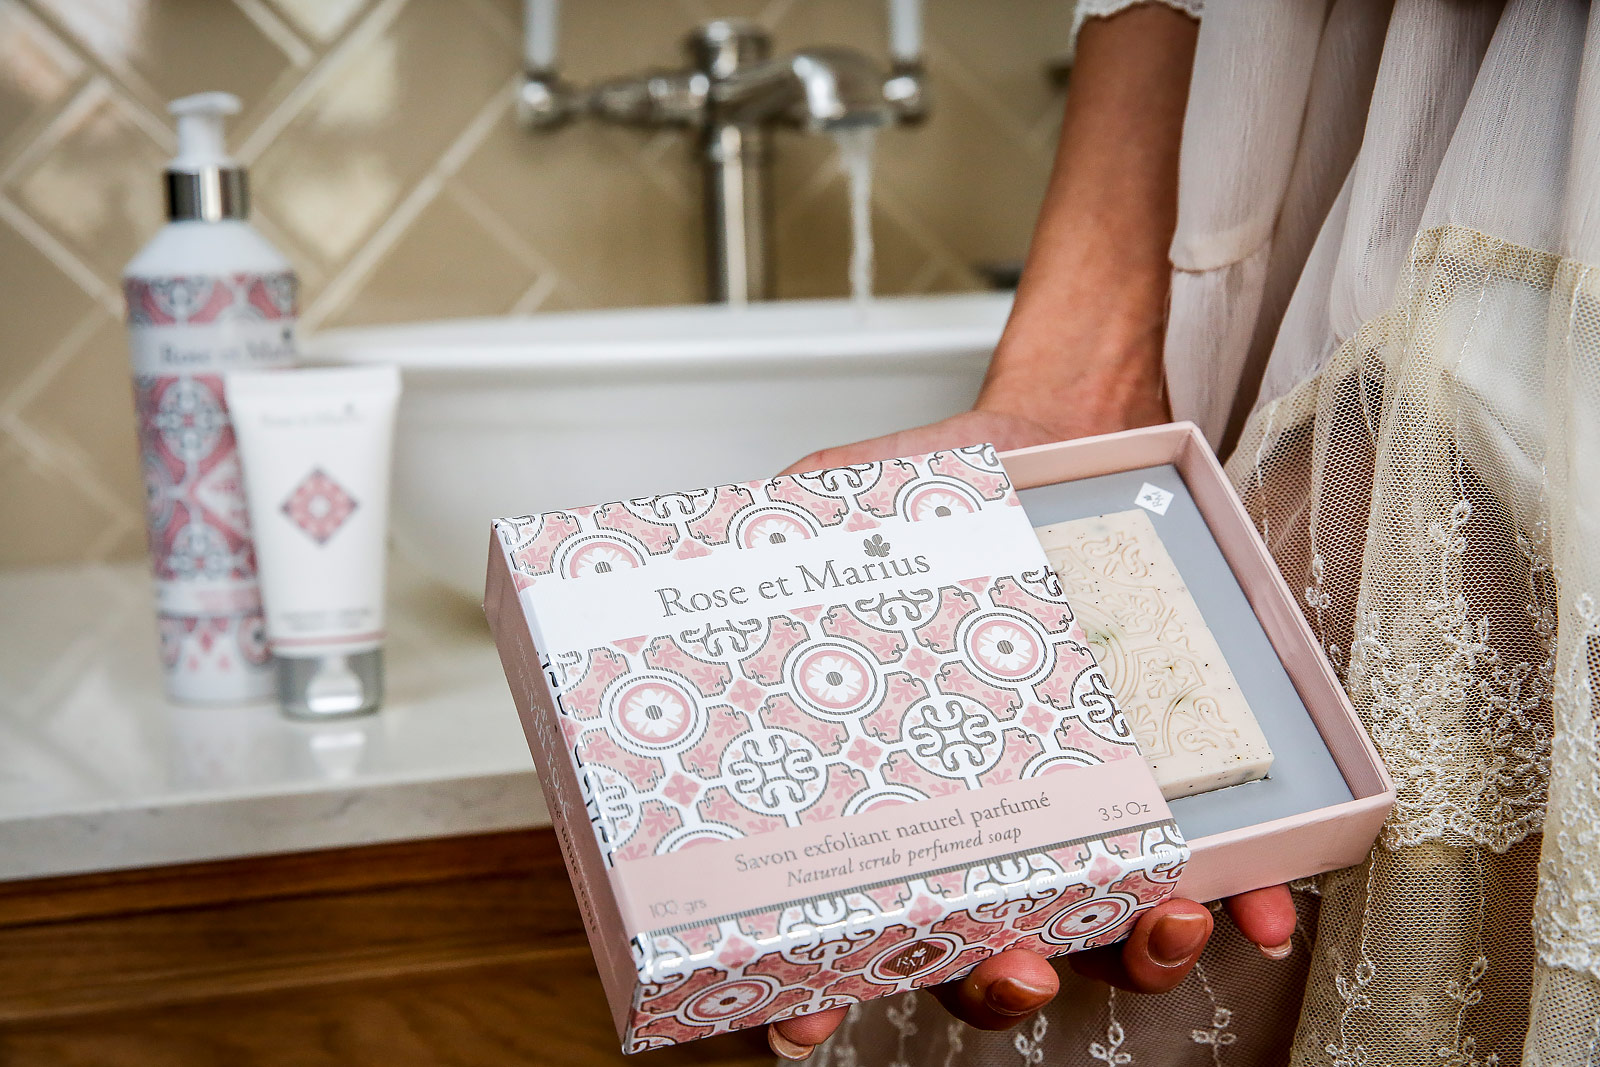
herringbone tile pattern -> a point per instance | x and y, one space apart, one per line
387 164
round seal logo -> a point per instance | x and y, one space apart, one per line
911 959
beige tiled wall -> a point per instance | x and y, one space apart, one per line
386 163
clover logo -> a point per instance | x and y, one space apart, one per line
876 545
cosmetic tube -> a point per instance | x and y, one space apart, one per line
316 446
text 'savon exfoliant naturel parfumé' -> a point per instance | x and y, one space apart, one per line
818 739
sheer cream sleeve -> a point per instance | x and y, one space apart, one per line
1389 218
1085 10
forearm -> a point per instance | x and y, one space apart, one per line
1082 351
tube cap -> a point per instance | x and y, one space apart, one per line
203 181
330 687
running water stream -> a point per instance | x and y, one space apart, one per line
855 144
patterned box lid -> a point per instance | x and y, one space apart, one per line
838 734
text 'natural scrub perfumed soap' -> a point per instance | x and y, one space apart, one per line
821 738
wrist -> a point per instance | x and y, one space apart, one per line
1075 384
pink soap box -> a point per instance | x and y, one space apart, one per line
818 739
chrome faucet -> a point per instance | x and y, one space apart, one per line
734 94
819 89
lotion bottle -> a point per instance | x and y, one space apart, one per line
207 295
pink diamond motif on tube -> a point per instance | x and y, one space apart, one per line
319 506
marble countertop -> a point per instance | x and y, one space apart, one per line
98 771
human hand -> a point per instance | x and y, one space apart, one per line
1010 986
1004 431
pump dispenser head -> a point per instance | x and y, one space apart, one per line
203 181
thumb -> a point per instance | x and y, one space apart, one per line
797 1038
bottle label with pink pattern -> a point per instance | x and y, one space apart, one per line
185 333
837 734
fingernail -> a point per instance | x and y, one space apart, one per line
1012 996
1278 952
1177 937
789 1050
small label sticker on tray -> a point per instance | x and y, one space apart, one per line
1153 498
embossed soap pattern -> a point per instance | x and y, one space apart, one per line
1193 723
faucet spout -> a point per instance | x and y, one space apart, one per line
732 94
818 89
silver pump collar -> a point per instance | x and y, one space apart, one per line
210 194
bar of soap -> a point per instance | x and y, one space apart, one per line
1192 723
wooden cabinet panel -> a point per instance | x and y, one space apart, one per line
461 952
549 1012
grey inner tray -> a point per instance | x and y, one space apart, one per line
1304 776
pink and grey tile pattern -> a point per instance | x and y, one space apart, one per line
726 731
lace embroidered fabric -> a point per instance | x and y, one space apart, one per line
1209 1019
1388 503
1418 457
1387 291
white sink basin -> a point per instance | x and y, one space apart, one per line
514 415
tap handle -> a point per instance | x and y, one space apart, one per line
544 101
906 88
905 31
541 21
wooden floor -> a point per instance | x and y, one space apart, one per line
466 952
